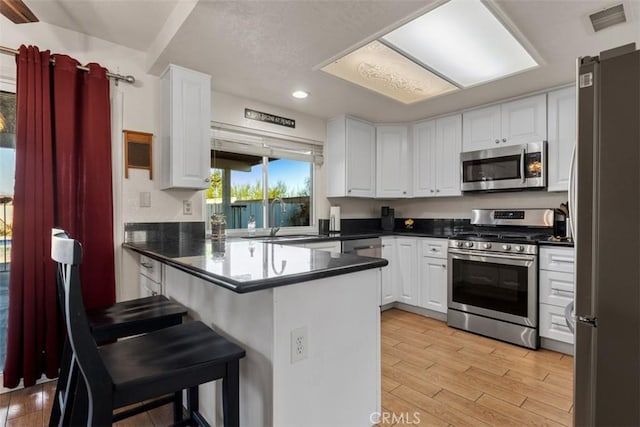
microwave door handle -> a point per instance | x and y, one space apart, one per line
522 156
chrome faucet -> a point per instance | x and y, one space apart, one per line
283 209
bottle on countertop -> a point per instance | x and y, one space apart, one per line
251 226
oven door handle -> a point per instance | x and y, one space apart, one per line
492 255
522 171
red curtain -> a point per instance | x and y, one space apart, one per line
63 177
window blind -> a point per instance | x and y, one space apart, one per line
236 139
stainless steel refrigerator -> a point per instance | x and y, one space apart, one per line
605 198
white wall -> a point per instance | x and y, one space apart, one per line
141 111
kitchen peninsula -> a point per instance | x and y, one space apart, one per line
309 321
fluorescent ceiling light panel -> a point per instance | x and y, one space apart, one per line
383 70
463 41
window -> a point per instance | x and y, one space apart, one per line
249 173
7 171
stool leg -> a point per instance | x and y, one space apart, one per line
177 407
61 386
231 395
193 401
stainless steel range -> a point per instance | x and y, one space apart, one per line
493 274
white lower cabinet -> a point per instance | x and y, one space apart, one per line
433 274
417 272
150 277
433 284
406 275
388 294
557 284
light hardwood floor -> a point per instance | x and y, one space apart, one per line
432 375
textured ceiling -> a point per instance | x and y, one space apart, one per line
264 50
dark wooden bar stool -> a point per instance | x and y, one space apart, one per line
110 323
163 362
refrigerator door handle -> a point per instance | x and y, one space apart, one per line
589 320
572 196
568 316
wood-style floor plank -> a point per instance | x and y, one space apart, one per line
442 370
435 407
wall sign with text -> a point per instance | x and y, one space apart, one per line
268 118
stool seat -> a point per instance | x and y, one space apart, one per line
134 317
170 359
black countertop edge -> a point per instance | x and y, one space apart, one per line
258 285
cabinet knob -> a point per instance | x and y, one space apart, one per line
147 265
434 249
348 191
437 191
207 179
444 265
431 191
404 192
504 139
497 141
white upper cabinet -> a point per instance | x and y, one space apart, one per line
186 135
481 128
511 123
562 137
393 162
524 120
351 158
436 153
449 137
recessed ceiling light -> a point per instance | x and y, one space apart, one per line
300 94
381 69
462 41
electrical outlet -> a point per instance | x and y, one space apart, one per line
186 207
299 344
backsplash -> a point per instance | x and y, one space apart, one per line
448 207
163 231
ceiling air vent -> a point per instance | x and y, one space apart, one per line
608 17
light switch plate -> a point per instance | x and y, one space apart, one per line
145 199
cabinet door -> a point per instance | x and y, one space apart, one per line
424 155
448 147
388 252
392 162
335 160
562 137
553 324
407 271
433 284
524 120
189 133
333 246
361 159
481 129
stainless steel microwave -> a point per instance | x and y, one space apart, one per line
505 168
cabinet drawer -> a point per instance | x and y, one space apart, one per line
556 288
553 324
151 268
434 248
148 287
557 259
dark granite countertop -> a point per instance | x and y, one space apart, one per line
246 265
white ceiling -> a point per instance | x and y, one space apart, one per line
264 50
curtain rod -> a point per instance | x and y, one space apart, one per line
115 76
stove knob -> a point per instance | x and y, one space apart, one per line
486 245
519 248
506 247
459 244
469 244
